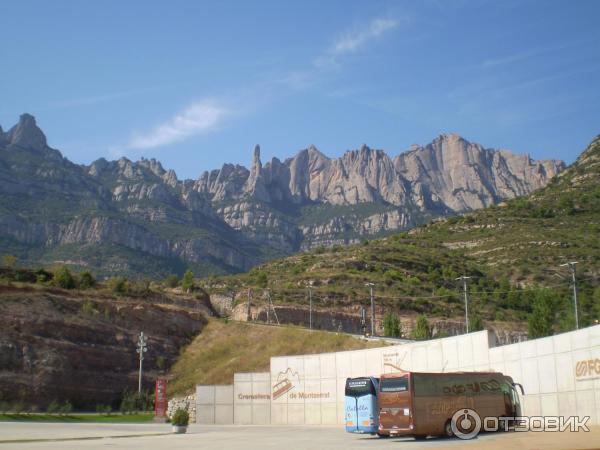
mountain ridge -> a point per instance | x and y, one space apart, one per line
233 218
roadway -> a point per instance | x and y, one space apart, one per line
26 436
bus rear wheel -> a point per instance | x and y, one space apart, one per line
448 429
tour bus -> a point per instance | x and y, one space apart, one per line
422 404
360 404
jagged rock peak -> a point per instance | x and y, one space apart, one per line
27 134
256 157
153 166
98 166
170 177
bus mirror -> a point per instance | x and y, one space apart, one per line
520 387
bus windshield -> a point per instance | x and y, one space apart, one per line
394 384
357 387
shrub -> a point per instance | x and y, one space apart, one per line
53 407
42 276
66 408
139 287
104 409
261 279
86 280
87 307
180 418
9 261
132 401
475 323
118 285
172 281
63 278
187 282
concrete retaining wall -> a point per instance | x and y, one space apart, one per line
560 375
315 383
214 404
252 398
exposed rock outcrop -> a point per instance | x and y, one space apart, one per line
59 345
233 218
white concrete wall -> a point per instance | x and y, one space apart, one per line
547 369
318 381
214 404
311 387
252 398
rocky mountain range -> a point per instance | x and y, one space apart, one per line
138 218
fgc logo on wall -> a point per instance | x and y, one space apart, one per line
467 424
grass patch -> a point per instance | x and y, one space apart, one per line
79 418
225 348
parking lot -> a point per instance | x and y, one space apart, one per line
157 436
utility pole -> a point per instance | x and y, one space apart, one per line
571 266
248 313
464 280
363 320
268 306
310 308
141 349
372 309
310 305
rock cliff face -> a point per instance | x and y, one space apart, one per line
233 218
58 345
349 321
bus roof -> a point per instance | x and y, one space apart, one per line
404 373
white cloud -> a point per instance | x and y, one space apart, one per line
356 39
353 41
199 118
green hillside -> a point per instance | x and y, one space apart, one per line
510 251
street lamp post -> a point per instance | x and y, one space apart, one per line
141 349
372 308
571 266
464 280
310 283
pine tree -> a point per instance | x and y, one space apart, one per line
187 282
421 331
541 319
391 325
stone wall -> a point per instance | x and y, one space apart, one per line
187 403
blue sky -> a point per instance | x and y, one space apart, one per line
196 84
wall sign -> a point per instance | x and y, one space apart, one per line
587 369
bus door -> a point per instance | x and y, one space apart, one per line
395 403
515 399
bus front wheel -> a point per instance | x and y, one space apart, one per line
448 429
